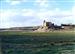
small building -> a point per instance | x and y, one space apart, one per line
67 26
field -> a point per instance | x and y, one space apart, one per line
37 42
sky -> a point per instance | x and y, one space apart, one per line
18 13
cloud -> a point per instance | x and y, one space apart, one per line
41 3
6 15
73 10
28 12
11 18
15 2
57 16
36 12
28 17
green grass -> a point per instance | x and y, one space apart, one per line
36 42
37 33
44 36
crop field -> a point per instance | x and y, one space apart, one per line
37 42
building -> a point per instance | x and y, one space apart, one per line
48 24
67 26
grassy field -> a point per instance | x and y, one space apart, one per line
55 36
37 33
36 42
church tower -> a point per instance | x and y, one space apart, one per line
44 23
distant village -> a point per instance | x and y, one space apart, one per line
46 27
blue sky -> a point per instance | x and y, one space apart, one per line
32 12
